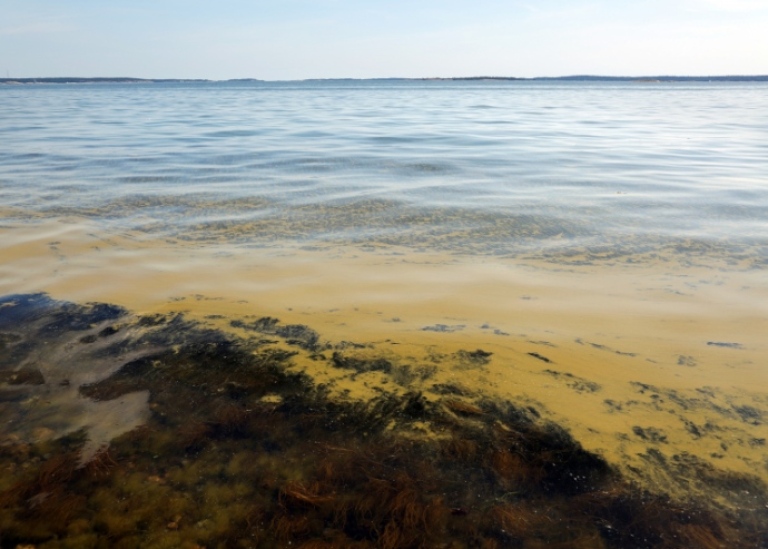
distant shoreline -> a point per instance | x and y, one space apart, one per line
573 78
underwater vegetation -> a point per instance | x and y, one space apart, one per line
228 448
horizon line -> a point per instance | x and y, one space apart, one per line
419 78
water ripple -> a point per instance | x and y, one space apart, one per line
624 164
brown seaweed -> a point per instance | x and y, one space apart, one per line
240 452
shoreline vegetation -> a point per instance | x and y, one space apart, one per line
232 448
572 78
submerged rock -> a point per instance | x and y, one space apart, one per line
51 351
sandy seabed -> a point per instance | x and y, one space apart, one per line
236 396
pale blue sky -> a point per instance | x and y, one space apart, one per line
295 39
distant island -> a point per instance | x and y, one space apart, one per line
597 78
93 80
573 78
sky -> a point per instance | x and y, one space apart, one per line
298 39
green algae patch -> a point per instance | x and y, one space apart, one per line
235 449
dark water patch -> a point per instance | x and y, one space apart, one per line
34 156
403 374
478 357
444 328
542 342
725 344
695 430
427 167
406 374
147 179
726 422
361 365
613 406
22 376
744 491
749 414
602 347
495 331
578 384
651 434
232 133
394 139
294 334
236 450
450 389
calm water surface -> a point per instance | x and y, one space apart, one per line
512 166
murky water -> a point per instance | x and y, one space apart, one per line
428 255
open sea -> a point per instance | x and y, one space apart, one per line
384 314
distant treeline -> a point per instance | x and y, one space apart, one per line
90 80
725 78
597 78
580 77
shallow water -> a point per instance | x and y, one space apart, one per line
605 242
591 164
